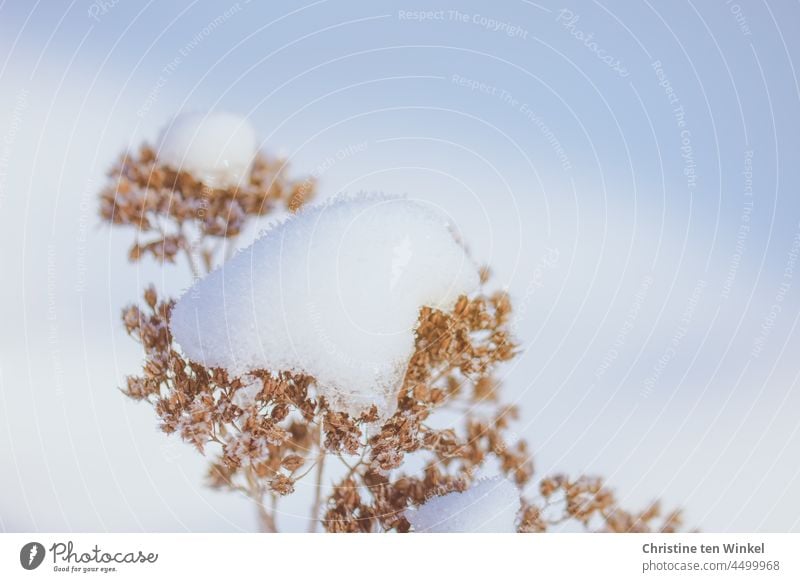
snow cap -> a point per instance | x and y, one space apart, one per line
489 506
217 148
333 292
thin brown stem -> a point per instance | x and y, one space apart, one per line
266 518
317 503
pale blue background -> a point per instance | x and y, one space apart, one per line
718 431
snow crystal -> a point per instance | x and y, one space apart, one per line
489 506
218 148
333 292
246 395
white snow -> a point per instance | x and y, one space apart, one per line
218 148
333 292
489 506
246 395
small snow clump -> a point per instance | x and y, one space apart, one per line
489 506
333 292
247 394
218 148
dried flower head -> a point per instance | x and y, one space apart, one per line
174 212
266 431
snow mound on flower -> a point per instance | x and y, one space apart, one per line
333 292
217 148
489 506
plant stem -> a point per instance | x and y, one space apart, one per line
315 507
266 518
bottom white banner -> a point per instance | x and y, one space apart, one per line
421 557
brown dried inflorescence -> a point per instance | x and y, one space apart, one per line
589 502
266 431
173 212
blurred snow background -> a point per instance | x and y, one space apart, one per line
635 190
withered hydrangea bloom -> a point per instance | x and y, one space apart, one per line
175 213
266 430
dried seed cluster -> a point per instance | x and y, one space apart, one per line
174 212
589 502
266 431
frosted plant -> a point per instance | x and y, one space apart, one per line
332 351
311 297
176 213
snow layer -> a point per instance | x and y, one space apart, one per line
489 506
218 148
333 292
